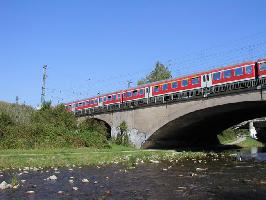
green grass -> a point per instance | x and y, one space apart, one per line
227 136
14 159
249 142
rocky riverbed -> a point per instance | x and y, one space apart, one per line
214 177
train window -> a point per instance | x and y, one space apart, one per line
156 88
141 91
80 104
174 85
109 98
248 69
129 94
100 100
239 71
104 99
204 78
185 82
262 66
83 103
114 97
96 101
165 86
228 73
135 92
216 76
195 80
118 96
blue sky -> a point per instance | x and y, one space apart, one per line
96 46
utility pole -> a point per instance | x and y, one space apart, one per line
17 99
128 83
43 84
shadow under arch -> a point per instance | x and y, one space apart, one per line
200 128
106 125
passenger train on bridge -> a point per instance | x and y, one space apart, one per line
218 81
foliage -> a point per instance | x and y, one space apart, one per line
49 127
18 113
159 73
227 136
122 138
14 180
94 125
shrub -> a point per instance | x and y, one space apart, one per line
122 138
94 125
50 127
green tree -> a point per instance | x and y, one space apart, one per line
159 73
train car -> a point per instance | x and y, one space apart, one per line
210 81
262 68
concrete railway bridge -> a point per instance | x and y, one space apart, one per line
186 121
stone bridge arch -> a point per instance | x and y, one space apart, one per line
201 127
161 122
105 123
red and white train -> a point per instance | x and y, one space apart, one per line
243 75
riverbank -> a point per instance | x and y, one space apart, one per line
40 158
215 176
240 138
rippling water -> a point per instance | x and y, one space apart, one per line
243 177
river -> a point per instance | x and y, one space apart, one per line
218 177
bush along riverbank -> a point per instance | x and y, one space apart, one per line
22 127
49 127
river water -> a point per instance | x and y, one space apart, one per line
215 177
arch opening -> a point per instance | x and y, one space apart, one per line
99 125
200 128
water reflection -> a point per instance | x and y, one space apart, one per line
253 153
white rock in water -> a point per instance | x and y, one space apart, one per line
52 178
4 185
85 180
71 181
75 188
201 169
60 192
23 181
154 161
30 192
